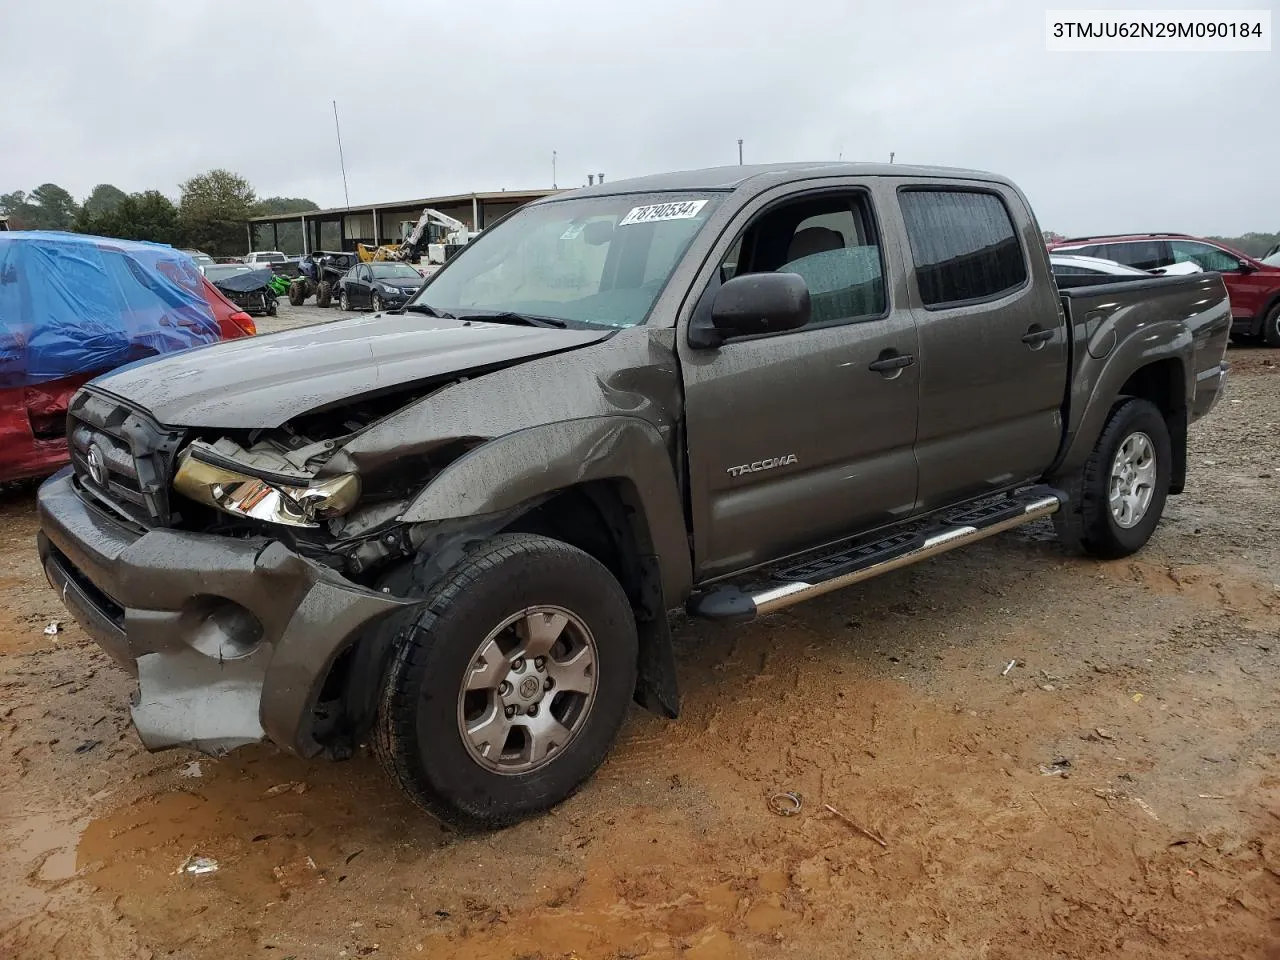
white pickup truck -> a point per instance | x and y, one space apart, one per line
263 258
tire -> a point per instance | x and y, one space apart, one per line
1087 523
272 309
344 301
324 294
1271 326
378 304
297 293
419 733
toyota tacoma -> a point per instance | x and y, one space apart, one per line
454 531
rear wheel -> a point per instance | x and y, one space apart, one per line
512 683
324 294
1271 327
1117 498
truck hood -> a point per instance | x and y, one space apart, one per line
264 381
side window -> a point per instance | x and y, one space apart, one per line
364 273
1063 270
831 242
963 244
1209 258
1140 254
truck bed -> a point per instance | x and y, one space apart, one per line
1110 317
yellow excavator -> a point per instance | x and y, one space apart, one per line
419 242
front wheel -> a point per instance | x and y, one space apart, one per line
324 294
378 304
344 301
1117 498
511 685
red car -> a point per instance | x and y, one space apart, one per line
33 440
1254 287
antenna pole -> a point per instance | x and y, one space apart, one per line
341 161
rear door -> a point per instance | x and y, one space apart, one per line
993 343
792 439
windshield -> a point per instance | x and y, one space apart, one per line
219 271
1273 260
384 271
593 260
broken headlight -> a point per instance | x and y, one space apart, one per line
245 495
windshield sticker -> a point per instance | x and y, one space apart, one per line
574 231
684 210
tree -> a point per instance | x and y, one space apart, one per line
104 199
213 211
18 209
1254 244
270 205
1051 237
149 215
52 207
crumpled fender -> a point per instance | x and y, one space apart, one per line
526 464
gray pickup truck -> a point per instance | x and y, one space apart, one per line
456 531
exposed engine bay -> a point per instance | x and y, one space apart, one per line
265 481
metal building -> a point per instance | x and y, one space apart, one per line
341 228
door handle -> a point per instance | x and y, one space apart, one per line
1036 335
889 362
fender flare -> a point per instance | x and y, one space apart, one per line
1130 356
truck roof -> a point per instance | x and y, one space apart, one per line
761 176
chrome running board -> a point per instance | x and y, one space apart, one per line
839 569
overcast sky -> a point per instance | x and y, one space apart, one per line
440 98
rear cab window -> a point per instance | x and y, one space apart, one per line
964 245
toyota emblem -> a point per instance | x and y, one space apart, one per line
97 464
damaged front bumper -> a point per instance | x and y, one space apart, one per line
231 640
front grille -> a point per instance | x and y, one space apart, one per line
122 457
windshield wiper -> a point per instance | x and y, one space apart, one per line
429 310
508 316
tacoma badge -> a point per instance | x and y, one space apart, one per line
759 465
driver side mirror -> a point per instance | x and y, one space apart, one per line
756 303
1246 267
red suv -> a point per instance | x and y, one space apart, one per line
1254 286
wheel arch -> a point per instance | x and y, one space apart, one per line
1162 377
604 485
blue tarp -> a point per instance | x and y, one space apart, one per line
72 304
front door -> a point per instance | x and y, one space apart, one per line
793 440
993 340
